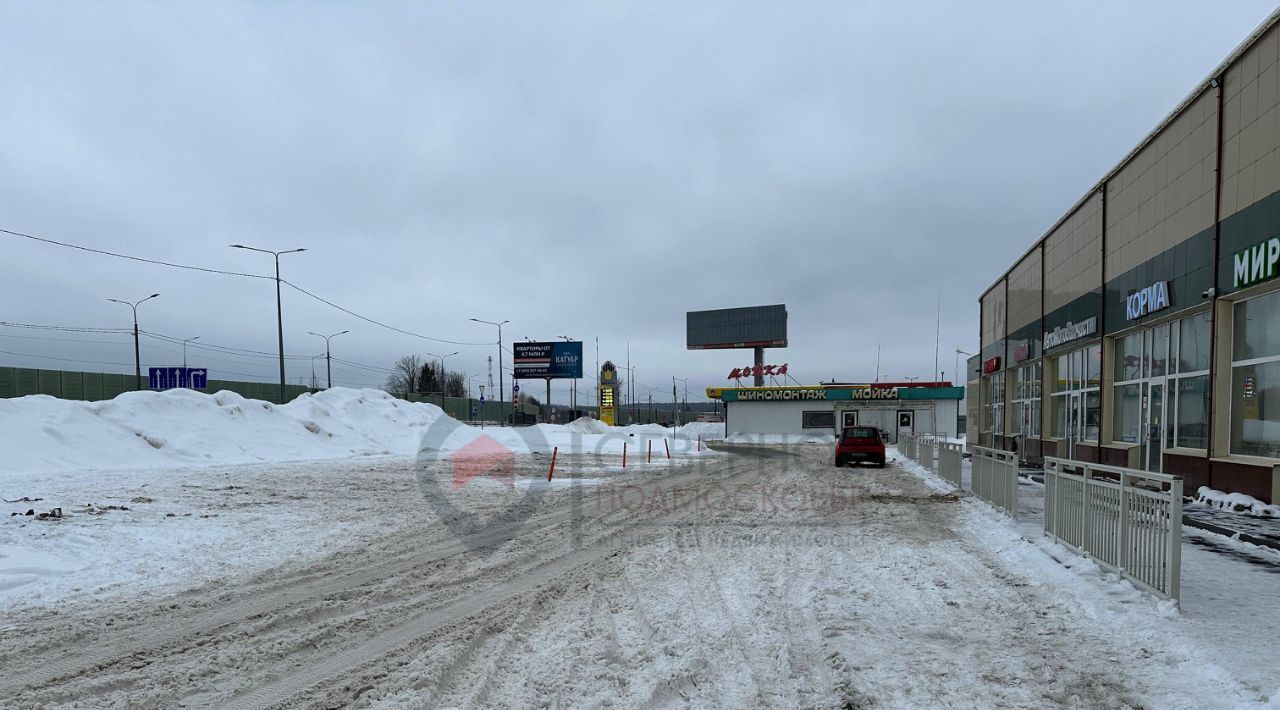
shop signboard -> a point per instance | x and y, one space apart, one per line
1258 263
1069 332
1147 301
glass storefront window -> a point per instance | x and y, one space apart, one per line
1059 414
1092 415
1257 328
1128 413
1192 429
1160 350
1255 419
1128 365
1193 343
1060 374
1093 360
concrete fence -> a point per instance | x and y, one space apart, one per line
995 478
1128 521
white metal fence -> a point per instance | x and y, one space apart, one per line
995 478
1129 521
950 463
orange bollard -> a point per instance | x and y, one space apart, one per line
650 459
552 470
624 454
664 443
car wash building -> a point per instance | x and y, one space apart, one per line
1143 328
897 408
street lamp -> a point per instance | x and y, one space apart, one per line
501 388
960 352
911 379
184 348
279 313
137 352
327 369
442 371
674 380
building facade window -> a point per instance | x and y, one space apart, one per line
817 420
1027 400
1075 403
1161 392
993 404
1255 377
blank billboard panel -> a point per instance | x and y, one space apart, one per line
753 327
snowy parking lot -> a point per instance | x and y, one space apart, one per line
760 577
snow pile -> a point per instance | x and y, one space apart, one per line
587 425
707 431
1236 502
185 428
182 427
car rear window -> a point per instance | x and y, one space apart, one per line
861 432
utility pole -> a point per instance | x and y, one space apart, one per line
328 368
279 309
500 383
937 333
184 349
137 350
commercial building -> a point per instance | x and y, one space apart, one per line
896 407
1143 329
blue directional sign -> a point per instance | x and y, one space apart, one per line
165 378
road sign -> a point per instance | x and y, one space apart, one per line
163 378
558 360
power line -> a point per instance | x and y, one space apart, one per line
374 322
65 359
222 272
65 328
132 258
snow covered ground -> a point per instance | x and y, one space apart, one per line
162 491
356 566
1230 606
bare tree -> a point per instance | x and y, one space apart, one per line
455 385
405 375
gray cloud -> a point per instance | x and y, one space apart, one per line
590 169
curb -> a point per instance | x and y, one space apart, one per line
1218 529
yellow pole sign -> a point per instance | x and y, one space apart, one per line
607 392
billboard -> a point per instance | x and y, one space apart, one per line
753 327
556 360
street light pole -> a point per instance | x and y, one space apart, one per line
501 389
328 369
442 371
279 308
137 350
184 349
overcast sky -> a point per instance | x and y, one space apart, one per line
583 169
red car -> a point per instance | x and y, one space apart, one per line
863 444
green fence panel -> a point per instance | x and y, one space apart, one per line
114 385
92 386
50 382
8 388
26 381
71 385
